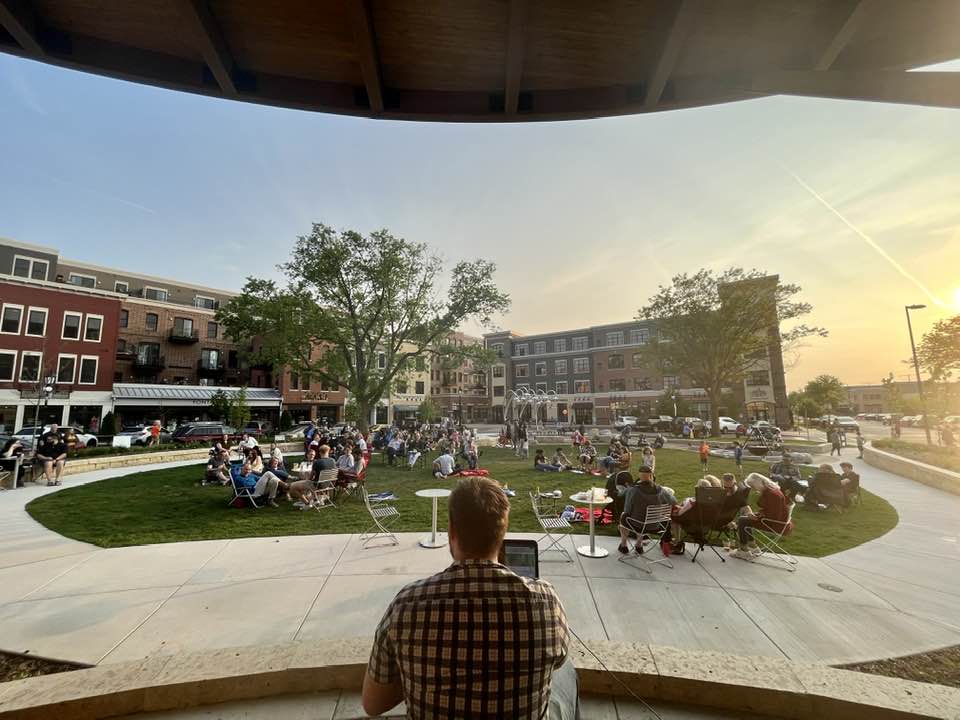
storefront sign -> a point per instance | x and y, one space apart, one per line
757 393
34 395
320 396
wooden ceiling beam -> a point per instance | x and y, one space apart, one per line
210 42
516 47
932 89
18 18
680 22
366 39
851 24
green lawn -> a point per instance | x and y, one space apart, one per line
169 505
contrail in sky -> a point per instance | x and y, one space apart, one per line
868 240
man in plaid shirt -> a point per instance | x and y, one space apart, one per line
476 640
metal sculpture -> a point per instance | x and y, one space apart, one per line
523 398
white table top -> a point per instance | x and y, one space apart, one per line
578 498
433 493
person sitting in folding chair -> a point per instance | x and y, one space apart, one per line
850 483
774 515
636 500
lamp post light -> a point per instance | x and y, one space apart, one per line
916 367
44 390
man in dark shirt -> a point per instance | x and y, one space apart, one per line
636 501
324 462
475 640
53 454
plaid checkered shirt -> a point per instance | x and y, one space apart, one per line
473 641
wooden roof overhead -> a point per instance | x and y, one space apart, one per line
501 60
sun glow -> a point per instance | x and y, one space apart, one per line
956 299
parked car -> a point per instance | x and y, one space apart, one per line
84 439
296 432
258 428
951 421
204 432
847 423
727 424
625 421
25 435
139 434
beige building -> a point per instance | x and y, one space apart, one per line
460 390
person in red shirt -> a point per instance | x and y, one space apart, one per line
704 455
155 433
774 515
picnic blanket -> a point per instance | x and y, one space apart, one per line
473 473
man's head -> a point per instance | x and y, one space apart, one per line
787 458
53 428
846 467
310 455
646 474
479 513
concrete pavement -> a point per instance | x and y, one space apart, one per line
64 599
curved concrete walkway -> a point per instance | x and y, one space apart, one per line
65 599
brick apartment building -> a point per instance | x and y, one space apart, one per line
460 390
55 336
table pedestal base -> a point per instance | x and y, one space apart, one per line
428 541
595 553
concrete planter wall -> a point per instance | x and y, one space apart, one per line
942 479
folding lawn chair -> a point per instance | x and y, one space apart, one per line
654 527
769 539
555 527
324 489
239 491
383 516
705 514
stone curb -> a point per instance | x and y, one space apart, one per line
936 477
764 686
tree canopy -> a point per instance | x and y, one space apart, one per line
939 350
358 311
714 327
827 391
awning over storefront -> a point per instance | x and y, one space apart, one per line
128 394
406 408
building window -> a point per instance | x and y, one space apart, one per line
66 368
183 327
539 348
618 385
581 365
208 303
498 391
639 337
418 387
615 362
124 318
560 345
294 381
88 370
541 387
670 381
233 359
94 328
27 267
561 387
71 326
580 343
148 354
497 349
30 366
641 383
212 329
420 364
521 349
615 338
12 314
37 322
559 367
758 377
151 321
121 287
381 361
87 281
154 293
498 371
636 360
540 369
8 362
521 371
210 359
401 387
581 386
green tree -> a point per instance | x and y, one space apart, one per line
894 396
428 410
939 350
716 327
827 391
108 426
239 410
803 405
666 404
358 312
220 405
286 420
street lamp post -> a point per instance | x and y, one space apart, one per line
44 390
916 367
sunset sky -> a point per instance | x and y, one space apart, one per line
859 203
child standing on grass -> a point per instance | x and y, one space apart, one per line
704 455
525 448
738 457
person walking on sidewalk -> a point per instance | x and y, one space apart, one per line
859 443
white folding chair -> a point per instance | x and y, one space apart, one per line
555 528
239 491
383 516
655 525
769 541
324 489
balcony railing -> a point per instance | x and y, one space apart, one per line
148 363
184 336
208 369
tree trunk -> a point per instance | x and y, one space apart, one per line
363 415
715 396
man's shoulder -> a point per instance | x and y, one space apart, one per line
485 580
